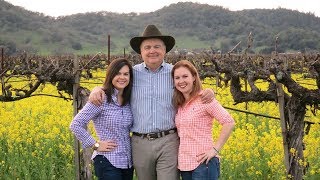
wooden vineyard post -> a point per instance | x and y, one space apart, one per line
283 123
2 73
82 160
246 103
108 49
75 111
218 83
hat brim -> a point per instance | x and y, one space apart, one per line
135 42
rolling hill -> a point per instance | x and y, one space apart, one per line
195 26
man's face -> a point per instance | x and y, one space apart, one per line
153 52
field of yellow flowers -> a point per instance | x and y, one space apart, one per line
35 141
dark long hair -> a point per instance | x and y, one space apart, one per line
178 98
112 70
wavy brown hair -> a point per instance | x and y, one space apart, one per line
178 98
112 70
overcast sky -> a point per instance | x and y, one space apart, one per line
67 7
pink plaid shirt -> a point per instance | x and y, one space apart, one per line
194 123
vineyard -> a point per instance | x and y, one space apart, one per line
274 100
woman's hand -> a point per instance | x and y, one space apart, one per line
206 156
106 146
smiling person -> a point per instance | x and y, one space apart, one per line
154 141
198 154
112 122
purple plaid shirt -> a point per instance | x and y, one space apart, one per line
111 122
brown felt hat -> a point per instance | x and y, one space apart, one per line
151 31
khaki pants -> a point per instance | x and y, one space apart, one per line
156 159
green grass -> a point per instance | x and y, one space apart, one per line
187 42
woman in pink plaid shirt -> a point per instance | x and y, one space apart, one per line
197 158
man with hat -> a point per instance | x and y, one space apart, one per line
154 141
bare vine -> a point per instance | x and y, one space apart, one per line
229 68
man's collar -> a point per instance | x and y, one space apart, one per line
158 69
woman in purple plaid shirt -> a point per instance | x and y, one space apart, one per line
112 122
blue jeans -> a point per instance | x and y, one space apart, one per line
104 170
210 171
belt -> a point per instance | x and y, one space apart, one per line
155 135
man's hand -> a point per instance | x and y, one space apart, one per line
207 96
97 96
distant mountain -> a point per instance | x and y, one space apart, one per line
195 26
